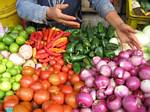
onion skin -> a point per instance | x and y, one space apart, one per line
144 72
85 110
147 102
133 83
96 59
101 82
136 60
84 99
124 54
99 107
75 110
125 64
85 74
113 102
118 72
145 86
85 89
89 82
121 91
93 94
105 70
100 63
100 95
112 65
119 110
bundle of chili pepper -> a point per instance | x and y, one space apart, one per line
48 42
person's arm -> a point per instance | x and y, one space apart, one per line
31 11
125 33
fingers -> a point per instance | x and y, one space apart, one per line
62 6
130 29
67 17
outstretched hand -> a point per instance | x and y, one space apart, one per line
56 14
126 34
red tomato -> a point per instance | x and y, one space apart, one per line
20 108
28 70
26 81
41 96
67 108
52 62
45 84
12 97
46 104
44 74
60 62
65 69
34 105
66 89
38 110
28 105
54 89
38 71
70 99
78 85
54 79
74 78
25 94
69 66
57 67
35 78
36 86
63 77
70 72
51 69
58 98
10 103
54 108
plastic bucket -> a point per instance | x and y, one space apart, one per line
8 13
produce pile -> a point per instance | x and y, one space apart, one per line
51 70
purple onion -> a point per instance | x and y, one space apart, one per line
147 102
99 64
121 91
119 110
113 102
124 54
100 95
125 64
133 83
85 110
96 59
130 51
138 53
139 94
141 109
126 75
93 71
131 103
145 86
85 74
101 82
106 59
119 81
75 110
116 59
136 60
99 107
147 95
85 89
105 70
89 82
112 65
84 99
93 94
144 72
134 72
109 90
118 72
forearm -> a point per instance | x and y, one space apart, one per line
114 19
30 11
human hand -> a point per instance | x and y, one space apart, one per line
56 14
126 34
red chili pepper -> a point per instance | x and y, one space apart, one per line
41 51
44 60
57 50
62 44
42 56
51 53
61 33
67 34
59 41
51 32
63 47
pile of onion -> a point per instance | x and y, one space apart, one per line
121 84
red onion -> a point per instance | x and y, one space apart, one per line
89 82
121 91
144 72
85 89
126 75
145 86
118 72
141 109
101 82
139 94
106 59
130 51
96 59
93 94
119 81
116 59
138 53
76 110
100 95
85 74
105 70
147 95
131 103
112 65
125 64
84 99
133 83
93 71
136 60
134 71
147 102
100 63
85 110
119 110
124 54
99 107
113 102
109 90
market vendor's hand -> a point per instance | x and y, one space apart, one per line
126 34
56 14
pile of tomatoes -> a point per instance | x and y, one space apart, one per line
51 88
